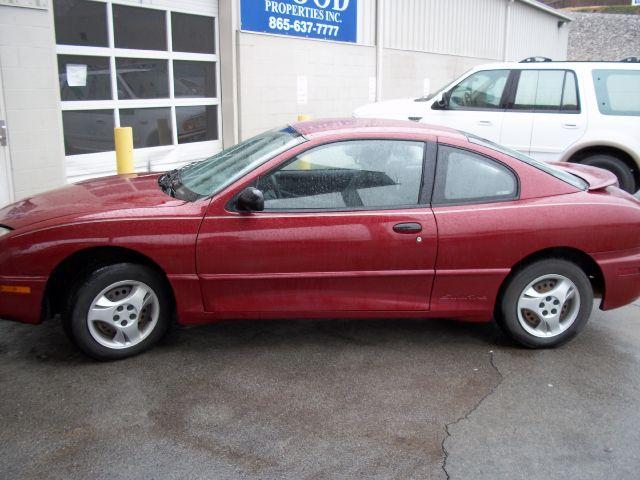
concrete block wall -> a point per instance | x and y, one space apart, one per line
337 79
404 72
30 89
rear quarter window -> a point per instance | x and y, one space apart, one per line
618 91
467 177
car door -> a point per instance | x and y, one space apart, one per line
475 105
543 116
346 227
471 199
558 120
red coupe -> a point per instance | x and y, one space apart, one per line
334 218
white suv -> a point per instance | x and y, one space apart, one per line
583 112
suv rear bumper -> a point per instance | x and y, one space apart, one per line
21 298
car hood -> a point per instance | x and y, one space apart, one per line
91 196
597 178
401 109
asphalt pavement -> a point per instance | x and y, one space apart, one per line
325 399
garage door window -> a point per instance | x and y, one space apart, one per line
153 69
466 177
97 84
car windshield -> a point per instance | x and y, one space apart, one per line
545 167
206 177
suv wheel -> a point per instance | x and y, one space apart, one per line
616 166
546 303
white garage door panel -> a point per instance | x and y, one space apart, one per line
186 115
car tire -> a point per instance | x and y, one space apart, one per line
118 311
546 304
616 166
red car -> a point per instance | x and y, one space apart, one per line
334 218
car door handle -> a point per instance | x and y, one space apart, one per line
409 227
570 125
486 123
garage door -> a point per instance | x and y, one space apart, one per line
153 67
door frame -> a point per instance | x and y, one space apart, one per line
6 151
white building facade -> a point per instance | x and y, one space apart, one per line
194 76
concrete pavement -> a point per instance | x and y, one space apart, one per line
325 399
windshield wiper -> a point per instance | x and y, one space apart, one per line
169 181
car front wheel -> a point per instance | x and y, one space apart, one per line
118 311
546 304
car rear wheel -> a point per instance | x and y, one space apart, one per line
546 303
118 311
616 166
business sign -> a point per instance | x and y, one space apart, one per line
325 19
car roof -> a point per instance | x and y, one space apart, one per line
346 126
554 65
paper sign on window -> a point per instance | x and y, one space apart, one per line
76 75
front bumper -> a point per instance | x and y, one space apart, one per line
621 271
21 298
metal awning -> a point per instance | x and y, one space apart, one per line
548 9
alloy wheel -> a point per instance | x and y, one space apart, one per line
548 306
123 314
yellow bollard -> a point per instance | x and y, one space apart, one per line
304 163
123 137
304 118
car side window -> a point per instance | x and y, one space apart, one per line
482 90
570 102
466 177
547 91
618 91
358 174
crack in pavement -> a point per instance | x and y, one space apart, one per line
445 453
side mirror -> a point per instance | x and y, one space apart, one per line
250 200
442 103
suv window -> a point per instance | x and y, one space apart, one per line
467 177
352 174
482 90
618 91
547 91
